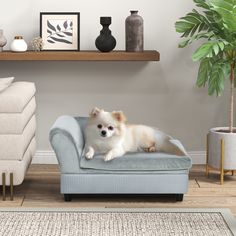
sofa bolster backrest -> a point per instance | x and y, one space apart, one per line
82 121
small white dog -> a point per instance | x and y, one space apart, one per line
108 133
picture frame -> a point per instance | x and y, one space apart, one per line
60 31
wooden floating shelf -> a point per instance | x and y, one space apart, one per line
80 56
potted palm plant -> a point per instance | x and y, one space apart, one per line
215 25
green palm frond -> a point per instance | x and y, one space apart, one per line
194 38
204 72
216 79
192 23
227 10
216 24
202 4
208 50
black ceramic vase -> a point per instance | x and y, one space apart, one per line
134 32
105 42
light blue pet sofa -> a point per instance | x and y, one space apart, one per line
134 173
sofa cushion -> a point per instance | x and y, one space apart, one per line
139 162
13 146
5 82
14 98
14 123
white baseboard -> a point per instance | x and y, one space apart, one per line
198 157
48 157
44 157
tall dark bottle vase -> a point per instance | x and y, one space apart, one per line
105 42
134 32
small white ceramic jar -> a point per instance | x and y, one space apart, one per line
18 44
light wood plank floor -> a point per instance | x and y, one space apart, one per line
41 189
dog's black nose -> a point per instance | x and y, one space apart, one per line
104 133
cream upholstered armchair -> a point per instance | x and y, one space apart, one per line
17 133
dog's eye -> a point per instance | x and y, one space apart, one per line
110 128
99 126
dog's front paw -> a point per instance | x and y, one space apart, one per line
150 149
108 157
89 155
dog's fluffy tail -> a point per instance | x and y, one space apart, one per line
165 143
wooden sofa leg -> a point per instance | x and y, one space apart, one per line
67 197
11 187
179 197
4 186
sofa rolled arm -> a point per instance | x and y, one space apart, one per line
67 141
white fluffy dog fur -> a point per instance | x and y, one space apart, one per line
107 133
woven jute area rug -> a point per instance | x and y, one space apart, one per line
116 222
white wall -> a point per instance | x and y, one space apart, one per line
161 94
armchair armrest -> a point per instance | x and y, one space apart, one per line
67 141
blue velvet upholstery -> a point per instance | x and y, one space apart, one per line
158 172
139 162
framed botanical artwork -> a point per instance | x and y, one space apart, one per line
60 30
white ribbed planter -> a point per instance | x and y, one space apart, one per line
214 151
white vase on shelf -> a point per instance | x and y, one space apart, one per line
18 44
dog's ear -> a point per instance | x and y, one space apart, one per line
119 116
95 112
